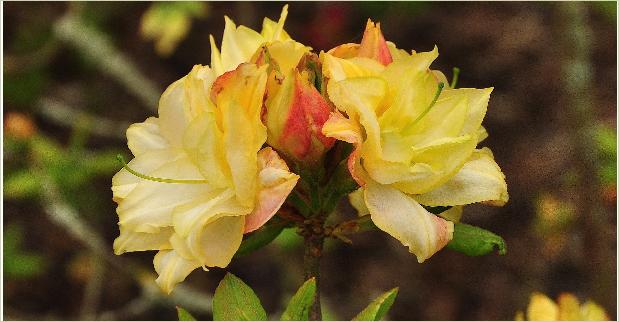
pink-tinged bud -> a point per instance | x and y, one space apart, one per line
373 44
295 113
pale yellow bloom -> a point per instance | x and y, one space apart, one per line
208 129
413 146
568 308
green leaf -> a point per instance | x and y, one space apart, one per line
475 241
21 184
378 308
301 302
234 300
183 315
259 238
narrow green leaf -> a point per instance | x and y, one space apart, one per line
259 238
235 301
183 315
378 308
475 241
301 302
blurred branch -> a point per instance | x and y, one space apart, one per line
110 60
62 114
65 216
94 287
579 88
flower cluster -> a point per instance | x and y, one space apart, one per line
214 164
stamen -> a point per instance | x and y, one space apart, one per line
157 179
436 95
454 79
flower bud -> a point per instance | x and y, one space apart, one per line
373 44
295 113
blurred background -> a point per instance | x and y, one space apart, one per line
77 74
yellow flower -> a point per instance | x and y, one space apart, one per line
568 308
208 139
415 140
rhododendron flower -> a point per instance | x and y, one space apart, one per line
415 139
568 308
200 177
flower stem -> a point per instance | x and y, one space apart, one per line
314 238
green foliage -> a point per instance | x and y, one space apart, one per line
183 315
260 238
606 140
235 301
20 184
301 302
475 241
169 22
17 262
24 88
289 239
378 308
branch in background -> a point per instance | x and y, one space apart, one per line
110 60
65 216
579 88
58 112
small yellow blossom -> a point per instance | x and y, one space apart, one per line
415 139
568 308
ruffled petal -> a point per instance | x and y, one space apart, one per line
341 128
480 179
206 208
149 206
275 184
239 96
172 269
215 243
131 241
124 182
406 220
145 136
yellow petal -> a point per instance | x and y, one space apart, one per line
569 307
272 31
477 100
480 179
406 220
215 243
206 208
145 136
204 144
590 311
357 200
172 269
430 166
541 308
239 96
149 206
275 184
347 130
238 45
173 118
287 54
124 182
452 214
337 69
131 241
